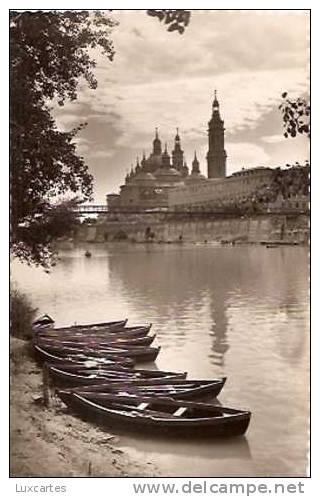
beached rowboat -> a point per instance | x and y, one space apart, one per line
99 376
164 416
137 353
90 340
108 324
43 355
174 388
71 333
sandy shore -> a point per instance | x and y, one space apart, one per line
50 442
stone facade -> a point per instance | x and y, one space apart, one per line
164 227
149 184
163 182
221 193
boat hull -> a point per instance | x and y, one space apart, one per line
217 426
97 378
163 387
45 356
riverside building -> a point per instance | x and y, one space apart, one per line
163 181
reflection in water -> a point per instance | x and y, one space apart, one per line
240 312
219 327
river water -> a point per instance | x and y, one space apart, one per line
240 312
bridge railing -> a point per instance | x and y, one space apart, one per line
103 209
90 209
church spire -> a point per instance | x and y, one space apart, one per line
216 156
157 144
195 164
184 170
177 153
165 157
138 166
215 104
143 160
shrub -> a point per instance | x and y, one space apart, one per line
22 314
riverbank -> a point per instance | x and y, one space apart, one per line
197 227
47 442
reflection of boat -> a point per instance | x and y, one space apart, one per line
166 415
164 387
272 245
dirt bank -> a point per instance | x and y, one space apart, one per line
50 442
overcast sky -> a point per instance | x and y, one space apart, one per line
167 80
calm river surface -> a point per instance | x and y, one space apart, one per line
240 312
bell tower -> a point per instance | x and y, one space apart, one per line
177 153
216 156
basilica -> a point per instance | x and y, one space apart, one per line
148 185
163 181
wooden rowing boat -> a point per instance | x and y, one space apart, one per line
44 319
44 355
164 416
89 340
100 375
75 334
138 353
174 388
108 324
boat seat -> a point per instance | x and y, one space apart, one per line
180 411
142 406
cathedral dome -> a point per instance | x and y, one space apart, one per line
168 177
195 178
154 161
167 171
144 178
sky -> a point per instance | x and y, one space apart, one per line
167 80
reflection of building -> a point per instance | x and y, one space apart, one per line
163 181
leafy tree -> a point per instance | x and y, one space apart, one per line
296 120
33 242
177 20
296 116
50 54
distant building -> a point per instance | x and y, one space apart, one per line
216 156
219 194
164 182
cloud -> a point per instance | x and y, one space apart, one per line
167 80
246 155
187 103
273 139
215 41
101 154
